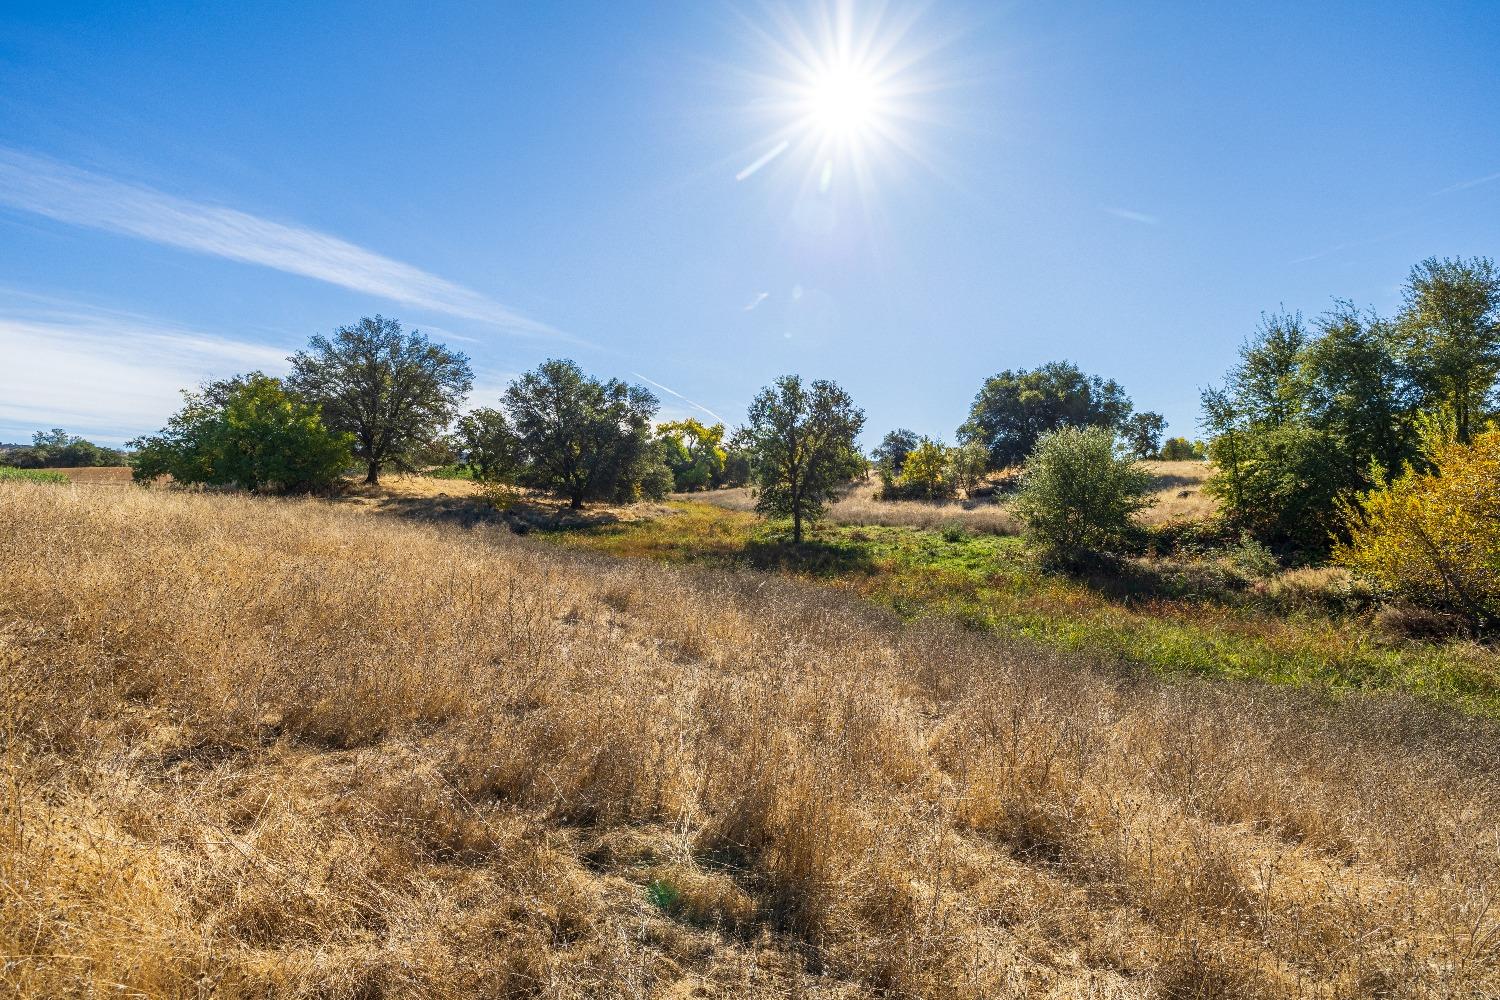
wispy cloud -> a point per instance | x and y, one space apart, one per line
680 396
1130 215
108 375
757 301
1465 185
67 194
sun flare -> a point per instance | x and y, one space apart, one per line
848 89
843 101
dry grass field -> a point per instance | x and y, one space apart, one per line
99 475
1177 495
259 748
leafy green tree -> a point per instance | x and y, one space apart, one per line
1078 496
249 432
1015 408
391 390
1358 393
579 437
488 446
1180 449
1267 383
801 440
1142 433
1450 324
694 452
890 454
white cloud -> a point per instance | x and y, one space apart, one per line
67 194
759 298
107 375
1130 215
1471 183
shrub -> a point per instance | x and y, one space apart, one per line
1433 538
1078 495
246 432
924 474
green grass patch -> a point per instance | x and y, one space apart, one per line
9 473
990 583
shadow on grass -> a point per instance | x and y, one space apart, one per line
816 557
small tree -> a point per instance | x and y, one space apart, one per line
247 432
801 441
579 437
392 391
1078 496
1434 537
967 465
1142 433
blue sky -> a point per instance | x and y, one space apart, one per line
191 190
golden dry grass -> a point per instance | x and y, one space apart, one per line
99 475
1177 492
271 748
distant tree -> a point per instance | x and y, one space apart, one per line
57 449
967 465
1359 393
737 466
248 432
1015 408
1078 495
1433 537
1450 323
801 441
1180 449
579 437
1142 433
890 454
925 474
392 391
694 452
488 446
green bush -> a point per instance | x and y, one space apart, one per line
1078 495
247 432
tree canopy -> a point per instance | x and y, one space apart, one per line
802 445
392 391
1015 408
579 437
246 431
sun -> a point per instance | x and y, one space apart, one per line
845 94
843 102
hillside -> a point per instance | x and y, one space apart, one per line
257 747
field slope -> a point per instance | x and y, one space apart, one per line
267 748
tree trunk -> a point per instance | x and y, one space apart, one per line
576 503
797 525
373 476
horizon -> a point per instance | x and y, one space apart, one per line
905 199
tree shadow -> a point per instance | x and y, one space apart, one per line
815 556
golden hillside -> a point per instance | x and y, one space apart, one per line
271 748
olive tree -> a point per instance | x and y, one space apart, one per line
801 440
393 391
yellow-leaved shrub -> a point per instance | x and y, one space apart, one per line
1434 537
